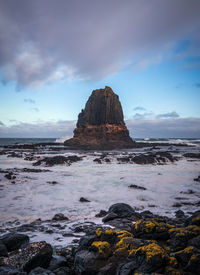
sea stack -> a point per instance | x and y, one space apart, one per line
101 124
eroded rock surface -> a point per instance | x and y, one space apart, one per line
101 124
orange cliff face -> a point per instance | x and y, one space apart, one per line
101 124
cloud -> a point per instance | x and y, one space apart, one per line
46 41
35 109
143 116
165 128
39 129
29 100
168 115
139 108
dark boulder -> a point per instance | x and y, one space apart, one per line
7 270
197 179
56 262
192 155
33 255
10 176
82 199
57 160
101 214
3 250
14 241
88 262
119 210
41 271
134 186
59 217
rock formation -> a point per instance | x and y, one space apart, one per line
101 124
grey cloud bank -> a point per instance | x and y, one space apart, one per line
168 115
139 128
44 41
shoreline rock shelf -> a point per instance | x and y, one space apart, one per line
150 244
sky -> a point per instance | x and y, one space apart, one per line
53 54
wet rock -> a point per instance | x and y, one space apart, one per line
197 179
52 182
33 255
3 250
156 229
119 210
82 199
127 268
189 191
57 262
179 236
180 214
194 219
194 242
97 160
33 170
64 270
10 176
192 155
134 186
41 271
59 217
13 241
124 159
6 270
118 252
101 214
57 160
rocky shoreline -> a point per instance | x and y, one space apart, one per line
128 242
125 241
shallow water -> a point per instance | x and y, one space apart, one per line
32 197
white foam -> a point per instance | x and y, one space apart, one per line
62 139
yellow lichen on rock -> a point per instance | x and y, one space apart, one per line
123 234
189 249
193 258
193 230
173 261
151 250
148 225
99 232
152 225
196 219
110 231
103 248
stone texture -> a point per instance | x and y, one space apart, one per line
101 124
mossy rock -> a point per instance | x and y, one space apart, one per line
156 229
183 256
103 248
180 236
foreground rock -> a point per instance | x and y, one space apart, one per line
51 161
150 245
101 124
33 255
13 241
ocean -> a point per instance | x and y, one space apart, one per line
33 195
11 141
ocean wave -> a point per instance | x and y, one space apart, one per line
62 139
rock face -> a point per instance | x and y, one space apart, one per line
101 124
